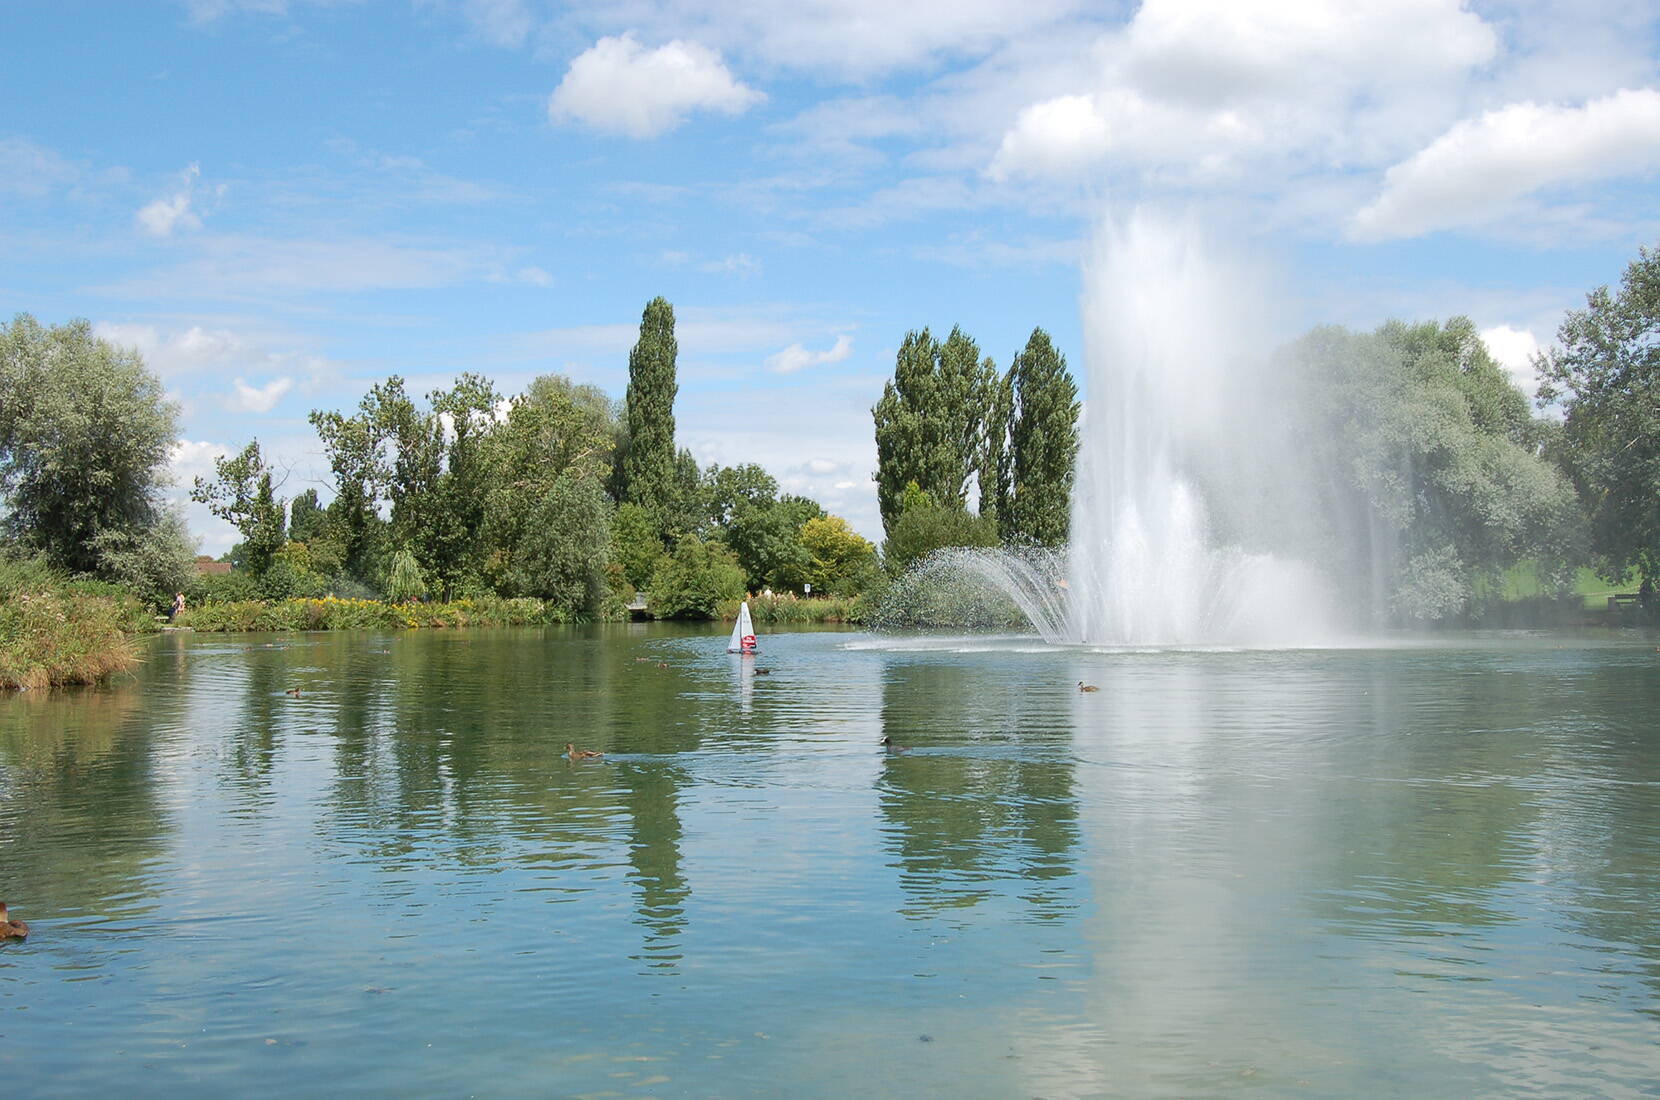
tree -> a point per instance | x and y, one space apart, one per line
1428 483
307 521
695 580
1606 376
840 561
649 463
932 421
85 431
1043 446
241 494
924 526
353 445
548 522
403 578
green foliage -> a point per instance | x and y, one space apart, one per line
353 446
1606 376
240 493
55 631
635 544
841 562
924 526
351 613
932 422
84 435
1042 447
563 552
1429 464
404 582
649 463
152 563
694 581
307 522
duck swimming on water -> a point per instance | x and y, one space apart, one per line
1087 687
574 753
11 929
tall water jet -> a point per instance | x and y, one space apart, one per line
1169 431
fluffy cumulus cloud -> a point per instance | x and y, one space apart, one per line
1055 137
1212 88
618 86
1473 172
171 354
796 357
259 399
1514 349
174 211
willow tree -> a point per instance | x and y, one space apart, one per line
648 466
85 432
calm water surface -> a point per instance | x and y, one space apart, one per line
1418 870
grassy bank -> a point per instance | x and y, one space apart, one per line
55 631
333 613
789 608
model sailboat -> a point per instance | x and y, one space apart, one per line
743 632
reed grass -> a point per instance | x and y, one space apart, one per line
50 635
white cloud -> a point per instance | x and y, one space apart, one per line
173 212
1215 92
618 86
261 399
741 263
796 357
535 276
30 170
1514 350
1469 174
1055 137
176 353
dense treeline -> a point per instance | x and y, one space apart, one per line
1432 480
557 494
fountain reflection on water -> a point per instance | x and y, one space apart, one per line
1168 328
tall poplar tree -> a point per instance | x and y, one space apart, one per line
931 421
1042 445
648 466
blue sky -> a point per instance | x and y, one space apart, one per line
280 202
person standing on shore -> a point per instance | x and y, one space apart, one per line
178 606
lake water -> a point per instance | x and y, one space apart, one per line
1412 869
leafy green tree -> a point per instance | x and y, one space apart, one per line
1433 484
85 431
932 421
240 493
152 562
1605 374
548 521
695 580
649 463
307 521
403 578
924 526
563 554
1042 448
353 445
840 561
636 544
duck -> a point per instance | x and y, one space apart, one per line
763 672
1087 687
574 753
11 929
292 691
887 743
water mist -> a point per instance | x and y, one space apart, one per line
1186 506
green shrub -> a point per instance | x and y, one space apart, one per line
695 581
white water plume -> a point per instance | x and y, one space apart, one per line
1186 497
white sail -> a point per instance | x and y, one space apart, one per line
743 632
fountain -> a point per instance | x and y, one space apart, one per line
1186 498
